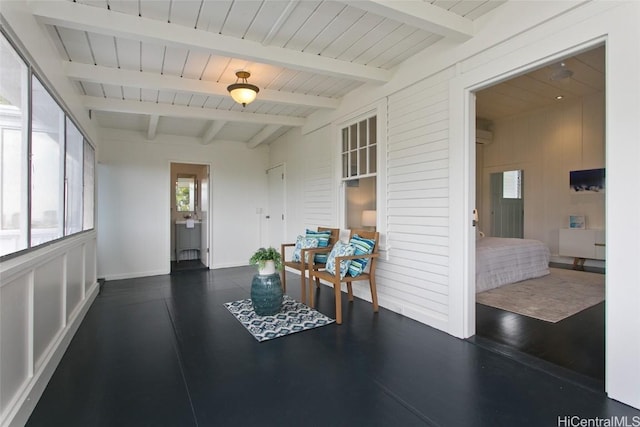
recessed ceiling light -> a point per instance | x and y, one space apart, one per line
559 97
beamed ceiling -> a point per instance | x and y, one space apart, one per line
162 66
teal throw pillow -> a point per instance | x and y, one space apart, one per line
363 247
323 241
340 249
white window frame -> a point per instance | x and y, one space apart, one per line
379 110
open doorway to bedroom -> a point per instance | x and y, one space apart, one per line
540 294
190 219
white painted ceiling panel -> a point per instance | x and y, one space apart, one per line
75 44
151 57
186 127
158 10
124 6
235 132
265 19
111 91
129 54
104 50
195 65
184 12
239 18
124 121
290 27
213 15
278 41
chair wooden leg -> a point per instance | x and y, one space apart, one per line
283 276
312 302
350 291
338 296
374 293
303 287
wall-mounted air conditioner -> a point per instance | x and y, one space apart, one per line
483 136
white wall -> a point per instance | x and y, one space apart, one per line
546 144
44 296
429 272
134 224
45 293
309 180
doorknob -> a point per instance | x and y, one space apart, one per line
268 217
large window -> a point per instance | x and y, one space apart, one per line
359 165
46 165
74 180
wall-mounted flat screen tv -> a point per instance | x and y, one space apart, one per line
588 180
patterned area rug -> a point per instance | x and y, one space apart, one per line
551 298
294 317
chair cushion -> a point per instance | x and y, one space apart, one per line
303 242
340 249
363 247
323 241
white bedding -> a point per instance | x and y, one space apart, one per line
500 261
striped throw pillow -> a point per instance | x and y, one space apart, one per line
323 241
363 247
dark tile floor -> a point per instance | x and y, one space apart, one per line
164 351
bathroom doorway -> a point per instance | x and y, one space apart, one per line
190 216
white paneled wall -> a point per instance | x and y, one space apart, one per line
43 298
414 279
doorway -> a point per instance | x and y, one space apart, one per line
507 204
275 210
545 124
190 217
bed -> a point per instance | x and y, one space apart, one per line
500 261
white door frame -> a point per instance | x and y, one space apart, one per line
462 172
209 223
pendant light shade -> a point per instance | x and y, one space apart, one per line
241 91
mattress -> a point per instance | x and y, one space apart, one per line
500 261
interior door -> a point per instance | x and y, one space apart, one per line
204 208
507 204
275 210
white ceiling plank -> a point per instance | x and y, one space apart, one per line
138 107
262 136
113 76
153 126
273 23
87 18
421 15
212 131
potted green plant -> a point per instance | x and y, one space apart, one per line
267 259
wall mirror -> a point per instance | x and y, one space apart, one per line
186 193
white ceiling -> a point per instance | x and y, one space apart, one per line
162 66
538 89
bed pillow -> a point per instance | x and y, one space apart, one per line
340 249
363 247
303 242
323 242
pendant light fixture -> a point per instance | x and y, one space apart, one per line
242 92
